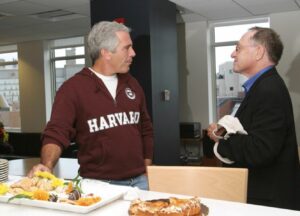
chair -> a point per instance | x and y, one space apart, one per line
209 182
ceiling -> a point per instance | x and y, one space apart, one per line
26 20
200 10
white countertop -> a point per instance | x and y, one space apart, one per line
120 208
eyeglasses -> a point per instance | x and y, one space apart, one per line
238 47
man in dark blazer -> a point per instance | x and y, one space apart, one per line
269 150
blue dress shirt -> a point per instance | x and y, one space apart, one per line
249 83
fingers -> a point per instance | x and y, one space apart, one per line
210 132
210 129
38 167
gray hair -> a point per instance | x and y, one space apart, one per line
103 36
271 40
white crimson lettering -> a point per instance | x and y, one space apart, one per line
132 120
119 118
93 125
113 120
136 117
103 123
125 119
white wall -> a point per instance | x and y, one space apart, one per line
194 69
47 80
35 84
32 86
193 84
287 25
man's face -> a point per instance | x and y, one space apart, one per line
245 55
121 59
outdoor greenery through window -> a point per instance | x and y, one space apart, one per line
9 88
229 90
67 58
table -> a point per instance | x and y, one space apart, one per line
120 208
66 168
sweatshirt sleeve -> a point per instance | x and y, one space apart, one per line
59 129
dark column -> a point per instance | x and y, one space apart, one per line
153 24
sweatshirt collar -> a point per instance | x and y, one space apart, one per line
122 78
103 77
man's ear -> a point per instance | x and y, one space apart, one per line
260 52
106 54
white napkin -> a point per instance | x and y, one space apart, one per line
232 126
132 194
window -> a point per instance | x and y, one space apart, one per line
9 88
67 58
229 90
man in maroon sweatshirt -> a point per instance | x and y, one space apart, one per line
103 109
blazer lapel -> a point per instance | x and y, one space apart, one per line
244 103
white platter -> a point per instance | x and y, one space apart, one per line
107 192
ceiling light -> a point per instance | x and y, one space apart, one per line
56 15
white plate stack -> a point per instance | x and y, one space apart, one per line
3 170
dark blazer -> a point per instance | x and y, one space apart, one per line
269 150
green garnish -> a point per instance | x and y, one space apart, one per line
19 196
77 183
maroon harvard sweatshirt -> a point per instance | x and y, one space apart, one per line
114 136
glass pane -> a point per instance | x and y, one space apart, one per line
79 50
68 41
229 84
9 97
72 51
64 69
60 63
234 32
8 67
8 57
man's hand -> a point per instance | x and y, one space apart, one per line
148 162
210 129
50 154
38 167
214 132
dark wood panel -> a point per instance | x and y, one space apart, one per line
154 34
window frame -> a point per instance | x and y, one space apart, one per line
213 45
53 59
12 49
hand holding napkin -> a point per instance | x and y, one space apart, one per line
232 125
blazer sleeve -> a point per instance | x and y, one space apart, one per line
266 121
